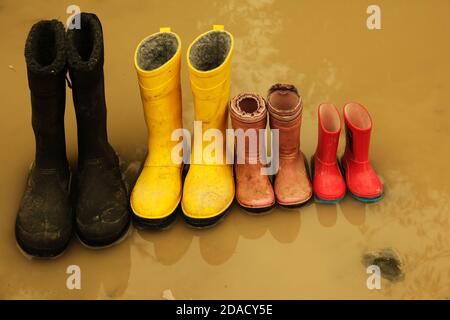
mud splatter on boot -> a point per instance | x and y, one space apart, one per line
101 201
44 220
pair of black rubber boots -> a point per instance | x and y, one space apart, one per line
93 202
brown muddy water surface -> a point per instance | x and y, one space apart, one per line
401 73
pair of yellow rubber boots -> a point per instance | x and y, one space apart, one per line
208 187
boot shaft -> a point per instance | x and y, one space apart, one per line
249 114
46 69
285 108
157 61
329 129
209 64
84 49
358 127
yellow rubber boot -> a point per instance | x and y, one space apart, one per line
157 192
209 185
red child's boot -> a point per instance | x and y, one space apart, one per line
361 179
328 183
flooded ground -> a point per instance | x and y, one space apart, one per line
401 73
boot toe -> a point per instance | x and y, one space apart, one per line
208 191
44 221
329 187
292 185
367 187
290 192
102 210
256 204
364 183
288 198
42 240
157 192
331 195
367 193
255 198
253 190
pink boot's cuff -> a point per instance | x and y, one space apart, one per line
284 102
248 107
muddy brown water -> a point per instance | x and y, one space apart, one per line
324 47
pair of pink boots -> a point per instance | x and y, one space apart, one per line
291 184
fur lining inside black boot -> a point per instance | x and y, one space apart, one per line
84 46
210 51
44 48
156 51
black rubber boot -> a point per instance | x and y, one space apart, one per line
101 201
44 221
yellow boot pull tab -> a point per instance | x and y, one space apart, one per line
218 27
165 29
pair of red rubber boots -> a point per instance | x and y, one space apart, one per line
330 181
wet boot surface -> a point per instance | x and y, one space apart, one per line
99 194
44 221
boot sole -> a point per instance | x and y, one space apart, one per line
204 223
208 222
41 254
296 205
156 224
102 244
325 201
367 200
257 211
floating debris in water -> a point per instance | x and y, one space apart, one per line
387 260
